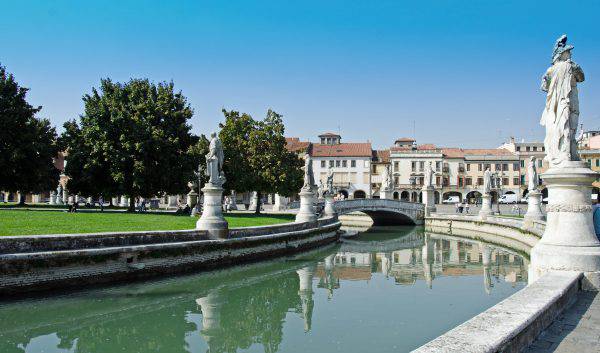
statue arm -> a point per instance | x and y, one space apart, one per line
546 80
578 73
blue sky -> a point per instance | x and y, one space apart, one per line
460 73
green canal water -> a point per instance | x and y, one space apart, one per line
388 290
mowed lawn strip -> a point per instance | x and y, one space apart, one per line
20 222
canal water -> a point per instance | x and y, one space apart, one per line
387 290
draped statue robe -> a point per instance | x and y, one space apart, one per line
561 114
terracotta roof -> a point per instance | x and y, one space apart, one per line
360 149
425 147
461 152
405 139
382 156
329 134
294 144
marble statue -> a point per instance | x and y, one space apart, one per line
320 189
214 161
487 181
561 114
428 175
387 182
59 189
329 188
534 181
309 179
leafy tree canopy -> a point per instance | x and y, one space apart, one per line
27 145
256 158
133 139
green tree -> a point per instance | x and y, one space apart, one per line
133 139
256 158
27 145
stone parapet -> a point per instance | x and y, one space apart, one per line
85 259
513 324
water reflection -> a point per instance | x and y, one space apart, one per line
294 304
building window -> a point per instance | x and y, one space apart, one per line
338 163
480 167
487 166
446 181
352 164
323 164
505 181
396 166
413 166
597 162
330 164
518 148
479 181
396 180
540 162
516 167
438 166
374 168
543 149
505 167
468 167
468 181
344 163
522 179
461 168
497 167
437 180
527 148
421 166
322 140
515 181
421 180
460 182
534 148
522 163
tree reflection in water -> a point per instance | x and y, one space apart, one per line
235 309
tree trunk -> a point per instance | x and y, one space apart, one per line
131 205
21 199
258 202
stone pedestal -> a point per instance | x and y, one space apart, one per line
212 219
329 210
429 199
280 203
192 199
569 242
386 194
534 207
306 213
52 200
115 201
124 202
486 206
65 197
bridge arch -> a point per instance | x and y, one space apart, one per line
384 211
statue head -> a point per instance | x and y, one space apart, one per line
562 50
213 135
532 159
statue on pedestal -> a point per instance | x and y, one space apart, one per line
428 175
309 179
534 180
561 114
329 188
320 190
487 181
386 182
214 161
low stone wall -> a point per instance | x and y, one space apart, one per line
34 263
507 232
513 324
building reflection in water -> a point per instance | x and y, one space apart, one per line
235 309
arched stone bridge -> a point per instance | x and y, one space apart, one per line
384 211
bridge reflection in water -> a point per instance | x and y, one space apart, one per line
374 291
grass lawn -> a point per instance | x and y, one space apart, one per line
45 205
22 222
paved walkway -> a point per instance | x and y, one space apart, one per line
577 330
